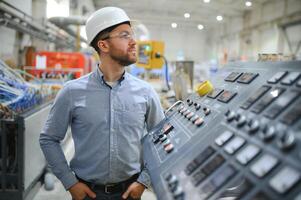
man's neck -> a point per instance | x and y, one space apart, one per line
111 71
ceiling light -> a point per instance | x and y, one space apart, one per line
219 18
174 25
186 15
200 27
248 3
206 1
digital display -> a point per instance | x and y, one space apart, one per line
293 114
215 93
247 78
267 99
252 99
143 57
233 76
226 96
281 103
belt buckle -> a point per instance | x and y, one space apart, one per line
107 188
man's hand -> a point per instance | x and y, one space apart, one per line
134 191
80 190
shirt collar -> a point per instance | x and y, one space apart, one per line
100 76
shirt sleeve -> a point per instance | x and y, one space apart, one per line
154 115
53 133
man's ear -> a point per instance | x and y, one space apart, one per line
103 46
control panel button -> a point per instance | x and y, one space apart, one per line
206 111
281 103
264 165
233 76
284 180
183 110
169 148
247 77
290 78
255 96
197 106
247 154
236 189
166 143
223 138
197 161
267 99
190 115
236 143
253 126
293 115
241 120
230 115
199 121
286 140
226 96
195 117
208 169
277 77
268 133
217 181
167 128
213 94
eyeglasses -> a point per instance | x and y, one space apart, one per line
122 35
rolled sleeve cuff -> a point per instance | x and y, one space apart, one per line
68 180
144 179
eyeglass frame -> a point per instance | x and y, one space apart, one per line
122 35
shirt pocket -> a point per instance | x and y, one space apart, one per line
132 115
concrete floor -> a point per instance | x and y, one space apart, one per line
59 193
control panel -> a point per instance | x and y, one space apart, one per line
241 141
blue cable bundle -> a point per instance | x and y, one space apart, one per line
15 93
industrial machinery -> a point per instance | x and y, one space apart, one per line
147 51
241 141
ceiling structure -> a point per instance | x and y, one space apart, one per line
165 12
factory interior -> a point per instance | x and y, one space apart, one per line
227 74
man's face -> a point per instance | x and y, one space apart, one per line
122 45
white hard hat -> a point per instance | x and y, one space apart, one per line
102 19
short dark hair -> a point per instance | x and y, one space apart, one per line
103 34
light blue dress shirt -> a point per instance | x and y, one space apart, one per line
107 125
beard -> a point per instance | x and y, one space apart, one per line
123 60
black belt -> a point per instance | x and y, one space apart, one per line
111 187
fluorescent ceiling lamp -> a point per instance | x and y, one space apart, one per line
56 8
219 18
174 25
248 3
200 27
186 15
206 1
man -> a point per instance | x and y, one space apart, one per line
109 112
